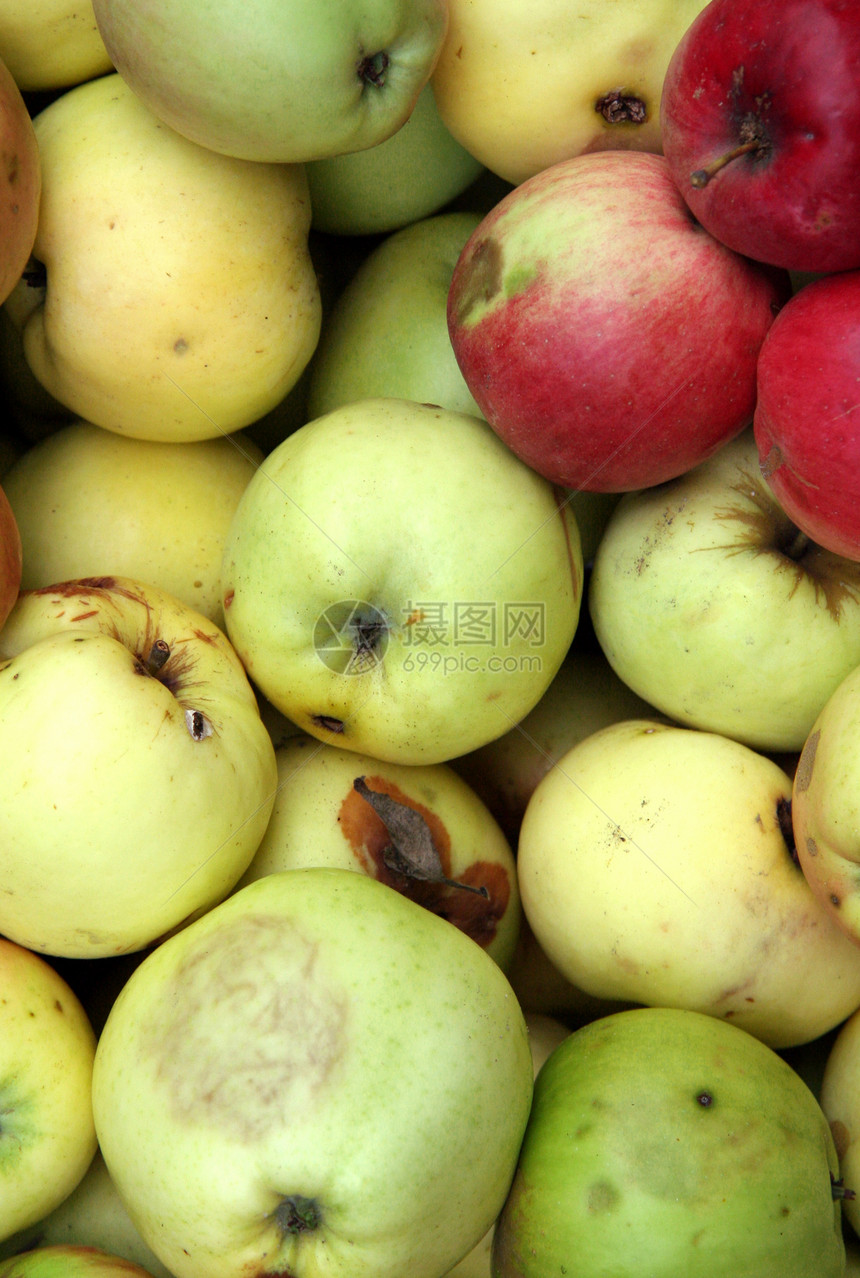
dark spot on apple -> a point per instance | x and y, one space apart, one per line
602 1197
229 596
770 465
180 346
372 67
835 900
620 107
480 279
329 723
198 725
806 763
296 1214
786 829
705 1099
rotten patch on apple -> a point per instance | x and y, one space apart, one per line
406 846
620 107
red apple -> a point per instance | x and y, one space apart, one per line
11 562
760 120
807 419
608 339
20 183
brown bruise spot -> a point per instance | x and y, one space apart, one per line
803 775
229 595
476 915
811 847
483 279
328 723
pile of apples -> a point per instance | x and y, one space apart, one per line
430 639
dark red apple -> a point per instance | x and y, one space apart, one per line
608 339
11 562
20 183
807 419
760 122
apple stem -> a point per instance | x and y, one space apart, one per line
158 654
701 177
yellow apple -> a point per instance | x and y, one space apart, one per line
90 503
522 87
47 1048
179 298
51 44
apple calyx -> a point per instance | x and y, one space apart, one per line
619 107
372 67
296 1214
839 1190
411 851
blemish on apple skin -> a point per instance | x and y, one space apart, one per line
806 763
229 595
482 279
328 723
180 346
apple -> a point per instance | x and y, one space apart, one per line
11 557
420 829
20 182
713 606
542 990
761 129
525 86
387 332
298 81
656 866
608 339
91 502
52 44
137 775
665 1142
68 1261
177 299
824 808
409 176
93 1215
31 411
397 583
838 1099
317 1075
808 372
47 1047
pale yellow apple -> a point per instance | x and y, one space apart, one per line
522 87
90 503
180 300
47 1048
321 818
840 1100
656 865
51 44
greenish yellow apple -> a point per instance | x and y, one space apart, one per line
47 1046
316 1076
397 583
178 299
410 176
51 44
663 1142
525 86
93 1215
387 331
69 1261
136 775
718 611
824 808
656 866
293 81
840 1093
418 828
90 502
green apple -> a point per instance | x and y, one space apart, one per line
68 1261
89 502
178 300
51 44
295 81
93 1215
47 1046
418 828
523 87
839 1097
712 605
585 695
656 866
136 775
665 1142
410 176
387 331
824 808
317 1076
397 583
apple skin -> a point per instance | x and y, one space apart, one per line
11 557
808 443
609 340
47 1046
664 1142
20 183
52 44
160 779
300 82
782 76
67 1260
714 608
315 1037
839 1096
